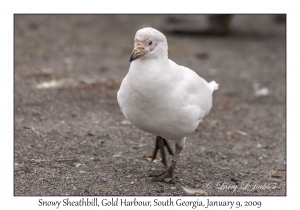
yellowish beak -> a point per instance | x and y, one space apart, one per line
137 52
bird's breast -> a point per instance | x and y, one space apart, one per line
157 110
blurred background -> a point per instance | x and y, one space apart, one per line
72 139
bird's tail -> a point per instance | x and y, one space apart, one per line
213 85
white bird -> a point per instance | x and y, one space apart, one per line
163 98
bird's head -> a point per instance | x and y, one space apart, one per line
149 43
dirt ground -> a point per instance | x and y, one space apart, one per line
70 137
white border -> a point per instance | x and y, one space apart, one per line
8 8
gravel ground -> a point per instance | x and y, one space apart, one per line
70 137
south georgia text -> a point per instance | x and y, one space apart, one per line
99 202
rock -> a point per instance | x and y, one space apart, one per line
243 133
202 55
125 122
167 180
117 156
260 91
91 134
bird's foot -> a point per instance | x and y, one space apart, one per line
167 175
161 143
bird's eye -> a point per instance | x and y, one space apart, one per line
150 42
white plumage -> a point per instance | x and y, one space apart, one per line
160 97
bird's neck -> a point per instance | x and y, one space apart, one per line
150 73
154 65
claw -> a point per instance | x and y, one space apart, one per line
167 175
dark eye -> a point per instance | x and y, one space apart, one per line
150 43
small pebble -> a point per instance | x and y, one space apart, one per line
167 180
77 165
243 133
116 156
202 55
92 134
173 188
160 184
125 122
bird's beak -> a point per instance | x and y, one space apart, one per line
137 52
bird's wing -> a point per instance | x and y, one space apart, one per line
195 91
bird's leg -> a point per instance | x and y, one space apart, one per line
168 174
162 151
168 147
160 144
156 147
